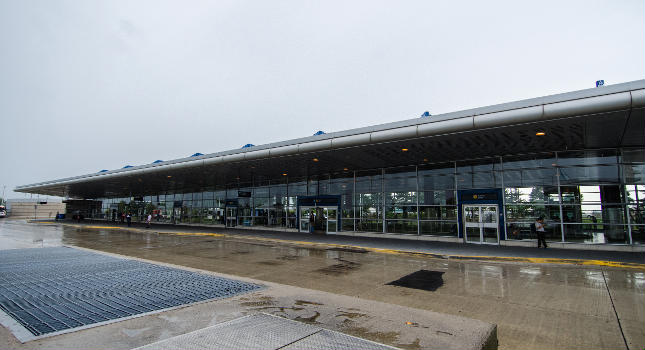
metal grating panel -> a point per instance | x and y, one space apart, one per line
54 289
254 332
264 332
330 340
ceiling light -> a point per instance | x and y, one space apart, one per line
404 149
540 133
345 169
169 176
284 174
315 159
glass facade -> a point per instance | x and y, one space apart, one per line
590 196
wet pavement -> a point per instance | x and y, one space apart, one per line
387 242
535 306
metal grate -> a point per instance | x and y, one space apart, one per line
264 332
53 289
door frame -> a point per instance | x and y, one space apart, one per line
481 225
322 201
327 219
488 196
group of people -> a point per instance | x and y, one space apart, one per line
127 217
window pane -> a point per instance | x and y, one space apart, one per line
368 181
591 233
634 173
401 212
541 160
401 226
638 234
438 228
530 177
530 212
589 157
589 174
369 225
637 214
401 198
594 213
438 213
445 197
400 179
491 179
531 195
436 177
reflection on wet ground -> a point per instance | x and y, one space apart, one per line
534 306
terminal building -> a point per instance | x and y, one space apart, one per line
481 175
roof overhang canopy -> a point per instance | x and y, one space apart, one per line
611 116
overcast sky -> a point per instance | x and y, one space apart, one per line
91 85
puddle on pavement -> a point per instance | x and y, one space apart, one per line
422 279
311 320
350 315
349 250
270 263
289 257
379 337
261 301
343 267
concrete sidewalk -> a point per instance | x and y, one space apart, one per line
444 250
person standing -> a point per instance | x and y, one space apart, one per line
148 219
129 219
539 229
312 222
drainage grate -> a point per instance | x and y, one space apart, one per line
422 279
264 332
54 289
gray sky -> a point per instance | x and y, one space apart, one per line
91 85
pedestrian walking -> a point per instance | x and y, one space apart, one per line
148 219
539 230
128 218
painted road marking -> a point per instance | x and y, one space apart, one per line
389 251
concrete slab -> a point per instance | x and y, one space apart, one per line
393 325
535 306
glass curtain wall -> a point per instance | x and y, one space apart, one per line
591 196
343 184
401 202
531 191
437 200
368 209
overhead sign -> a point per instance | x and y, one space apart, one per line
479 196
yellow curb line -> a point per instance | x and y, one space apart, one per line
391 251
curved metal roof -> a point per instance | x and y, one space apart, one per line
584 102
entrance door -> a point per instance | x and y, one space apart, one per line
331 216
231 216
325 218
305 215
481 224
